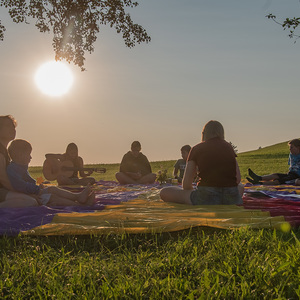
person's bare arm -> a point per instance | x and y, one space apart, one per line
238 173
3 176
189 175
81 172
175 171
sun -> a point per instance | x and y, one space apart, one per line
54 78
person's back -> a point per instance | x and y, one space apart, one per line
218 171
215 159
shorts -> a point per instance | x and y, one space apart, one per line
44 198
288 178
3 193
206 195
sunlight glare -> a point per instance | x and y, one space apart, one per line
54 78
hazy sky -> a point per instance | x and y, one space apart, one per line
208 59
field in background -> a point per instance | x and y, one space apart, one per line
272 159
201 263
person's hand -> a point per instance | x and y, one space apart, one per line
137 175
89 172
134 176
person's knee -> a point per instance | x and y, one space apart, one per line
165 194
118 176
149 178
153 177
121 178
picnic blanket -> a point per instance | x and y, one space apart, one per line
139 209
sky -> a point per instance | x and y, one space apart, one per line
207 60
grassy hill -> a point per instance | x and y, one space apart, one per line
271 159
267 160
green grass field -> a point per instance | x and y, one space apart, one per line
201 263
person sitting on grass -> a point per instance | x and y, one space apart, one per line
279 178
135 167
71 155
218 171
181 163
8 196
17 172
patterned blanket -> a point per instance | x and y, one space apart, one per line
138 209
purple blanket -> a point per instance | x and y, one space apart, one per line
14 220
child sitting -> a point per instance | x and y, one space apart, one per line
279 178
181 163
17 171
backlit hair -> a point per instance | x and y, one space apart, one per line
17 148
7 117
136 145
212 129
294 142
71 146
186 148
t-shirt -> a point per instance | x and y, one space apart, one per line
294 163
133 164
180 165
216 162
20 179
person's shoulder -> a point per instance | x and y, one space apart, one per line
127 156
143 155
14 167
199 146
180 161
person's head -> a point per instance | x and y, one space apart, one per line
212 129
294 146
136 148
7 128
20 152
72 150
185 150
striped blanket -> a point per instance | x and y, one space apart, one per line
138 209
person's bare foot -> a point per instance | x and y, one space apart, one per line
84 195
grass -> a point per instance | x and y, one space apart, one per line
268 160
195 264
201 263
